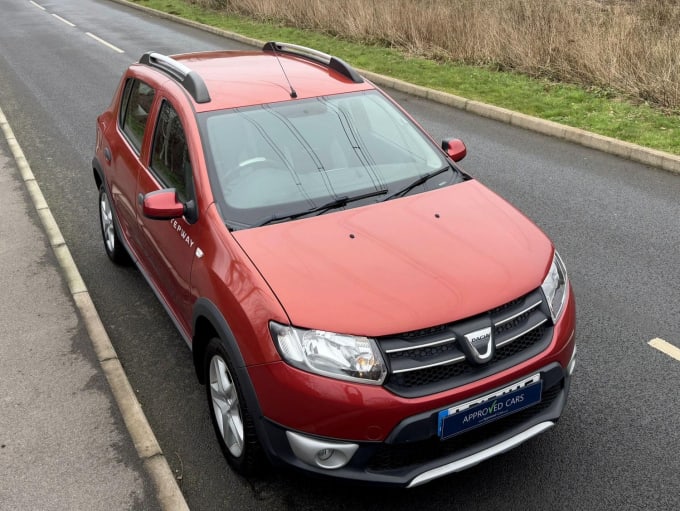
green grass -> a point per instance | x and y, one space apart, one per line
597 111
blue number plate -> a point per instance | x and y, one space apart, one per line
480 411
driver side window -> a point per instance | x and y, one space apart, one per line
170 154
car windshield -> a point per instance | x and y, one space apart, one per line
282 159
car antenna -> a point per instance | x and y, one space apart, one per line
293 94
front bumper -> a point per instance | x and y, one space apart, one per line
413 454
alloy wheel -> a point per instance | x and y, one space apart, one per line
226 407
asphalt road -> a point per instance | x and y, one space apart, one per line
616 224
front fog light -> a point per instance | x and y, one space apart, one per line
325 454
555 287
321 453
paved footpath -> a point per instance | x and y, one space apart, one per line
63 443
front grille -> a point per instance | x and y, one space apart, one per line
431 360
398 456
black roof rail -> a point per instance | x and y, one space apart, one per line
190 80
333 63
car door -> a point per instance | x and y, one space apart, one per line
169 245
125 157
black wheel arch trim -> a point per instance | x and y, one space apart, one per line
204 308
98 172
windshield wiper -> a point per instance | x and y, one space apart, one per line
420 181
334 204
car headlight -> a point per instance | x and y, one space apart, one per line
555 287
346 357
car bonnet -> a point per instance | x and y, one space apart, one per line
401 265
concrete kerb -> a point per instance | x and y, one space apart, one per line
167 491
653 158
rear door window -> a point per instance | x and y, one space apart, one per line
134 113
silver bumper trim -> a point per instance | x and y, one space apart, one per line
474 459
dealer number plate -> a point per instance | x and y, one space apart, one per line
501 403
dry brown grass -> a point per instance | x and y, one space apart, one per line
630 46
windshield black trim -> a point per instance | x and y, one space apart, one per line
340 202
420 181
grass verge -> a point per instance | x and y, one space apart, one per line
598 111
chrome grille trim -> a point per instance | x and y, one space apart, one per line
528 309
430 366
430 360
521 334
424 345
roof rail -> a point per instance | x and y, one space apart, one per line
333 63
190 80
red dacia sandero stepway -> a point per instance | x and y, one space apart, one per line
356 304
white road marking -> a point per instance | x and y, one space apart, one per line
67 22
63 20
665 347
105 43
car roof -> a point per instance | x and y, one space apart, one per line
228 79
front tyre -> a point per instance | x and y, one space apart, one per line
233 424
112 244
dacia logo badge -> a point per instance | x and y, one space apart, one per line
478 346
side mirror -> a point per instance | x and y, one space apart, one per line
161 205
455 148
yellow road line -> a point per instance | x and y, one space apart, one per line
665 347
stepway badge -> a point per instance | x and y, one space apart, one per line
489 408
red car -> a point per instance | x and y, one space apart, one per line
357 305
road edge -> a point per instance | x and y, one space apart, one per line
627 150
148 449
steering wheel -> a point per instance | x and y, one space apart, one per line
258 162
240 171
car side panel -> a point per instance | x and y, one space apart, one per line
225 277
168 245
122 163
120 173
